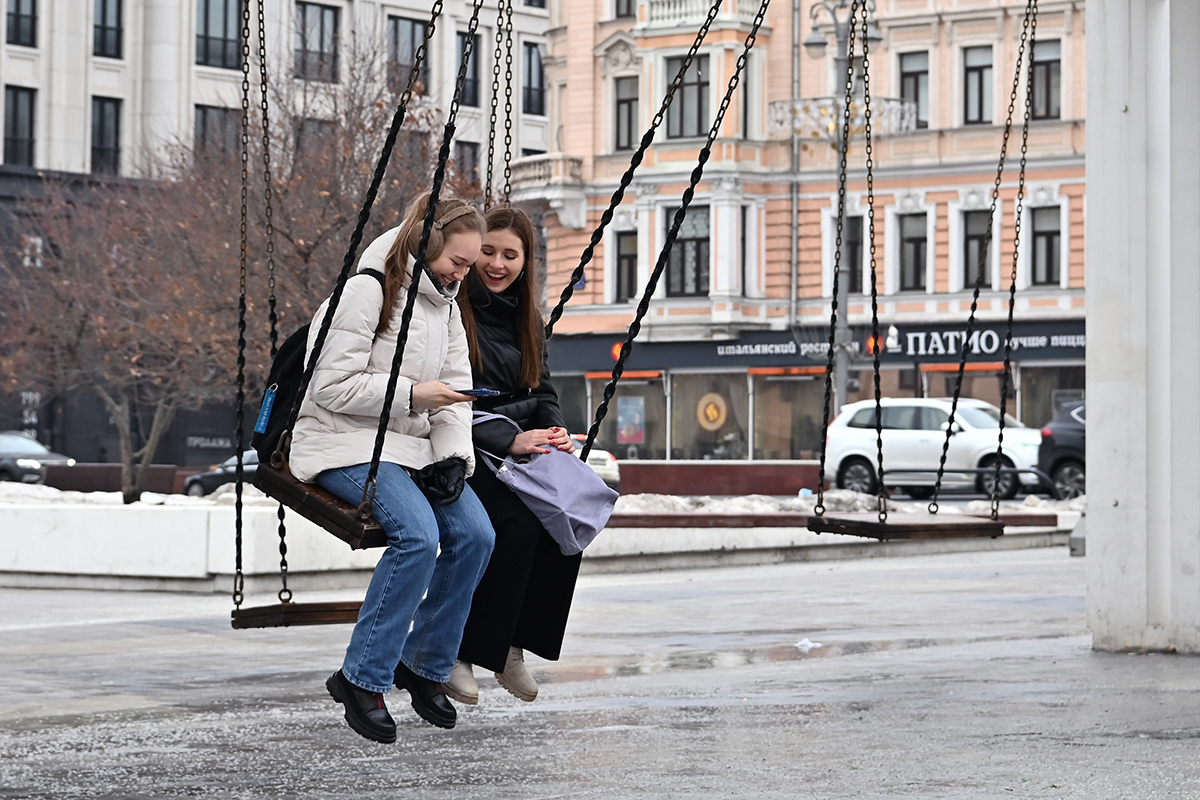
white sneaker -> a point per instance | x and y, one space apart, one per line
462 686
516 677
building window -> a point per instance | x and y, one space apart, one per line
466 159
912 252
626 90
218 39
977 86
687 269
1047 239
106 31
534 85
218 130
627 254
625 8
531 151
688 114
22 22
975 229
317 42
852 258
404 39
314 138
1047 79
470 92
18 126
535 3
914 84
106 135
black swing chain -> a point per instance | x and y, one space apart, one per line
488 191
1030 18
366 507
285 594
647 139
843 151
665 254
508 100
870 165
1031 24
279 457
240 430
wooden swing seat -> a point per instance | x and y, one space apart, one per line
314 503
906 526
283 615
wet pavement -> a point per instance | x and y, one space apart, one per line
949 676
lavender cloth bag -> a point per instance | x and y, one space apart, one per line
565 494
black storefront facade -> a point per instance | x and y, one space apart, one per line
760 396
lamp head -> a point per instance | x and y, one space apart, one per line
815 44
873 34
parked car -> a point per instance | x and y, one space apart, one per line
914 430
24 459
1061 454
205 483
602 462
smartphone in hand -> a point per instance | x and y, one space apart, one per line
479 392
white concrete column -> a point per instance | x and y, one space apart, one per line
67 35
166 57
1143 291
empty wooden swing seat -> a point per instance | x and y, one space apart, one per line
906 526
314 503
284 615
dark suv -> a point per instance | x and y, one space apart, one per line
1061 455
23 458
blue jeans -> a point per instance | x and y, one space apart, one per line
410 568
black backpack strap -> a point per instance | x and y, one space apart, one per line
376 274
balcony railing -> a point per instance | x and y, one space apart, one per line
548 168
822 117
670 13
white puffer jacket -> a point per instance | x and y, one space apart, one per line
339 417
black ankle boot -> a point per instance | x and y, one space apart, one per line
428 699
365 711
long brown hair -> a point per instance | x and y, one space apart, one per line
408 240
530 333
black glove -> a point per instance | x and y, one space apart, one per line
442 481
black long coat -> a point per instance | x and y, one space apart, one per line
525 595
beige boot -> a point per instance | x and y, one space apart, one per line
462 686
516 677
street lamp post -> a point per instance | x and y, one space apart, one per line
841 13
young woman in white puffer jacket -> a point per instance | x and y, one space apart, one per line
439 536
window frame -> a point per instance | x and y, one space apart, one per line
982 77
920 88
466 160
970 263
696 84
677 275
108 39
1047 82
398 70
920 260
625 277
533 80
106 156
20 151
230 44
1048 243
470 96
325 71
20 21
205 133
629 107
624 9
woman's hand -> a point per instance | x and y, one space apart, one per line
561 439
435 394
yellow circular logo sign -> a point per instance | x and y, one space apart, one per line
711 411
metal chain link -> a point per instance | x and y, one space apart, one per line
1030 14
870 165
240 429
626 178
508 101
843 151
1031 26
488 191
665 254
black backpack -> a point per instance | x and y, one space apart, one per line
283 384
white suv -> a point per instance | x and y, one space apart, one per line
913 432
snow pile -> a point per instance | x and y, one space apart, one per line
28 494
836 500
1032 503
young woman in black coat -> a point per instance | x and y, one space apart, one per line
524 598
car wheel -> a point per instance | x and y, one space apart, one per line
5 476
919 492
857 475
1069 480
196 490
1008 480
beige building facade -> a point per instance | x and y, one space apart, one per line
730 360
